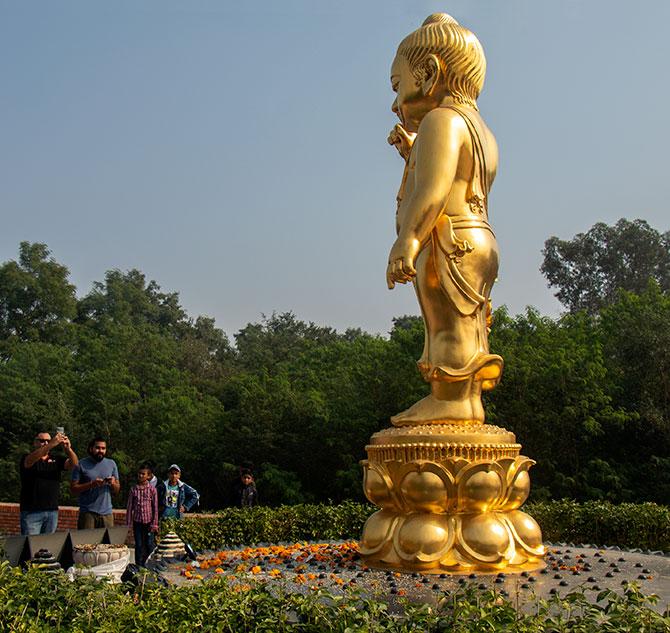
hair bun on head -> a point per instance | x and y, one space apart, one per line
458 50
439 18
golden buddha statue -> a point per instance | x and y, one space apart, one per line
449 487
445 243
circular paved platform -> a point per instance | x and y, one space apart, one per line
336 567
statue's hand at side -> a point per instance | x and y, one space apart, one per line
402 140
401 261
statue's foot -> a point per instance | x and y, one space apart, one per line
430 410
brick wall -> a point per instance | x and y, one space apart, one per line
67 518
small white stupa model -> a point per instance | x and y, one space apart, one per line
171 546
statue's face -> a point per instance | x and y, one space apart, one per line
411 104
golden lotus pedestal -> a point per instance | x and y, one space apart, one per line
449 498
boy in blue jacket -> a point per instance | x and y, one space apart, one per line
174 496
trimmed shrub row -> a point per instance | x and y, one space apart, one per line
304 522
645 525
642 525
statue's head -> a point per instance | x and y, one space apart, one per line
445 57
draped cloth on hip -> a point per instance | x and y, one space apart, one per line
456 269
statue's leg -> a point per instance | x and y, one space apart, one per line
451 344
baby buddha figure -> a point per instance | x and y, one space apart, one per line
449 488
445 244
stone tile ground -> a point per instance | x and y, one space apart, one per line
336 567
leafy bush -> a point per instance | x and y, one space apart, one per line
35 602
273 525
645 525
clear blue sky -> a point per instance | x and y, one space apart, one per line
236 152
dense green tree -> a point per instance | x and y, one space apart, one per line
589 269
637 346
323 398
588 395
269 342
36 394
554 396
636 342
37 301
128 298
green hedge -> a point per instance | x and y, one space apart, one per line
645 525
642 525
39 602
273 525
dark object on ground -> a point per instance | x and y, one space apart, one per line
45 561
157 565
136 575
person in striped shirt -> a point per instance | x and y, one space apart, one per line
142 513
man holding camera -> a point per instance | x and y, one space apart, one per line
40 482
94 480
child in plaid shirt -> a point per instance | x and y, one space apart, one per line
142 514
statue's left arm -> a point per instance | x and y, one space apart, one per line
436 153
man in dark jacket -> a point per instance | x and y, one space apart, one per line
40 482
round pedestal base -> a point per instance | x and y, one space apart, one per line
449 499
456 543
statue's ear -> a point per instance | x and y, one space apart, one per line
431 74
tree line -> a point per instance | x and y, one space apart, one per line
587 393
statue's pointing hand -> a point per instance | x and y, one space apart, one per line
401 140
